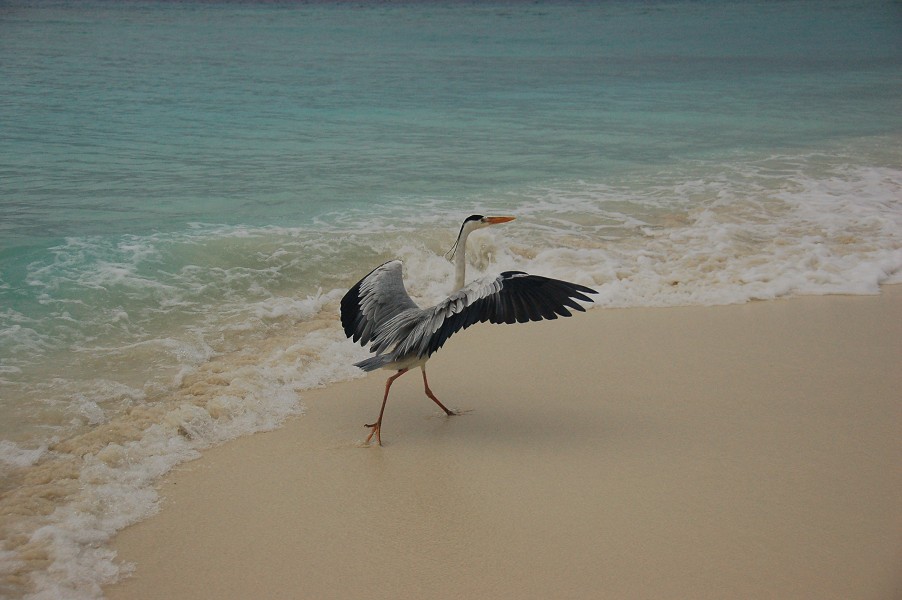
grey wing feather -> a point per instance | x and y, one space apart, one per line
512 297
373 301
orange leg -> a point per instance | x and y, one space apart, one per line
377 426
432 396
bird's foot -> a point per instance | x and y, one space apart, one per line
376 427
456 412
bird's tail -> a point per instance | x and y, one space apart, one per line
373 362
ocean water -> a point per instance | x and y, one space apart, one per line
188 188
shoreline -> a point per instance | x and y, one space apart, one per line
708 452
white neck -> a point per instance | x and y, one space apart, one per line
460 261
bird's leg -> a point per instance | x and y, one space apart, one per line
432 396
377 426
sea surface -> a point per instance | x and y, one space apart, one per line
188 188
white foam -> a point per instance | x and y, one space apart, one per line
700 234
735 239
279 307
115 466
14 455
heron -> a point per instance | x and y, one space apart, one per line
378 311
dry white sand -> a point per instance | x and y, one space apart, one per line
747 451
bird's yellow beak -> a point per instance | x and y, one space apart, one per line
497 220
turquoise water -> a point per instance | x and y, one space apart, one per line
187 189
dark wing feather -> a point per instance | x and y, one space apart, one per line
512 297
373 301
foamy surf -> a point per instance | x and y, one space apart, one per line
64 501
141 351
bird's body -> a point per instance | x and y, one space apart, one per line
379 312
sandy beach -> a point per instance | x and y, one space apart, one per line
748 451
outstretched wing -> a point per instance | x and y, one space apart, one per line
373 301
512 297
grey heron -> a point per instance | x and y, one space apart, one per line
378 311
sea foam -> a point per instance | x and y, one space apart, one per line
69 498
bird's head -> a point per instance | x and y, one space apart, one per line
472 223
